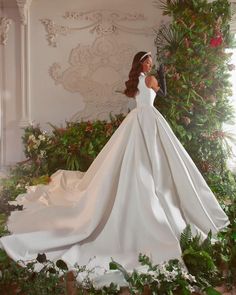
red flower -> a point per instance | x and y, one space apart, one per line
61 130
216 41
89 127
109 129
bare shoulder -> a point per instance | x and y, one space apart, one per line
151 81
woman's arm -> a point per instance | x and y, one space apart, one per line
151 82
161 78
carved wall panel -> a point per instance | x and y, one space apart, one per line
87 52
4 28
97 72
102 22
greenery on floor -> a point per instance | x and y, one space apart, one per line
201 257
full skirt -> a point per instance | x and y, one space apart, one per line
136 197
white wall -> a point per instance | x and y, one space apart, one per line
11 147
85 89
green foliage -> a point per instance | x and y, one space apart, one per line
198 256
186 238
24 280
197 72
19 178
73 147
224 253
167 278
211 291
208 261
3 230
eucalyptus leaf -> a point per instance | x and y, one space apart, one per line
211 291
61 265
41 258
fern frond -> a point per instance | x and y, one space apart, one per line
196 242
185 238
206 244
198 261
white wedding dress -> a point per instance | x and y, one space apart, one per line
136 197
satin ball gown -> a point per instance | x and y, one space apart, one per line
136 197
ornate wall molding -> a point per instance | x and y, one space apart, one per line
102 22
23 6
53 31
107 21
100 15
97 72
4 28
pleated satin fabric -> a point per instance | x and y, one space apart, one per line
136 197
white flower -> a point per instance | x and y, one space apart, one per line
192 278
32 137
191 289
188 276
18 185
173 274
170 276
42 154
152 273
42 137
163 270
36 144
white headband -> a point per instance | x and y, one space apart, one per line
148 53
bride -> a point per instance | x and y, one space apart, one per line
136 197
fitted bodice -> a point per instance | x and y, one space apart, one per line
146 95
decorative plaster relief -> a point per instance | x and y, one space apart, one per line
104 22
54 30
98 15
4 28
107 21
23 6
97 72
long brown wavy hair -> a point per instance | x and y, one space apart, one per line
132 84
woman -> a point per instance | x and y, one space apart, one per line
137 196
